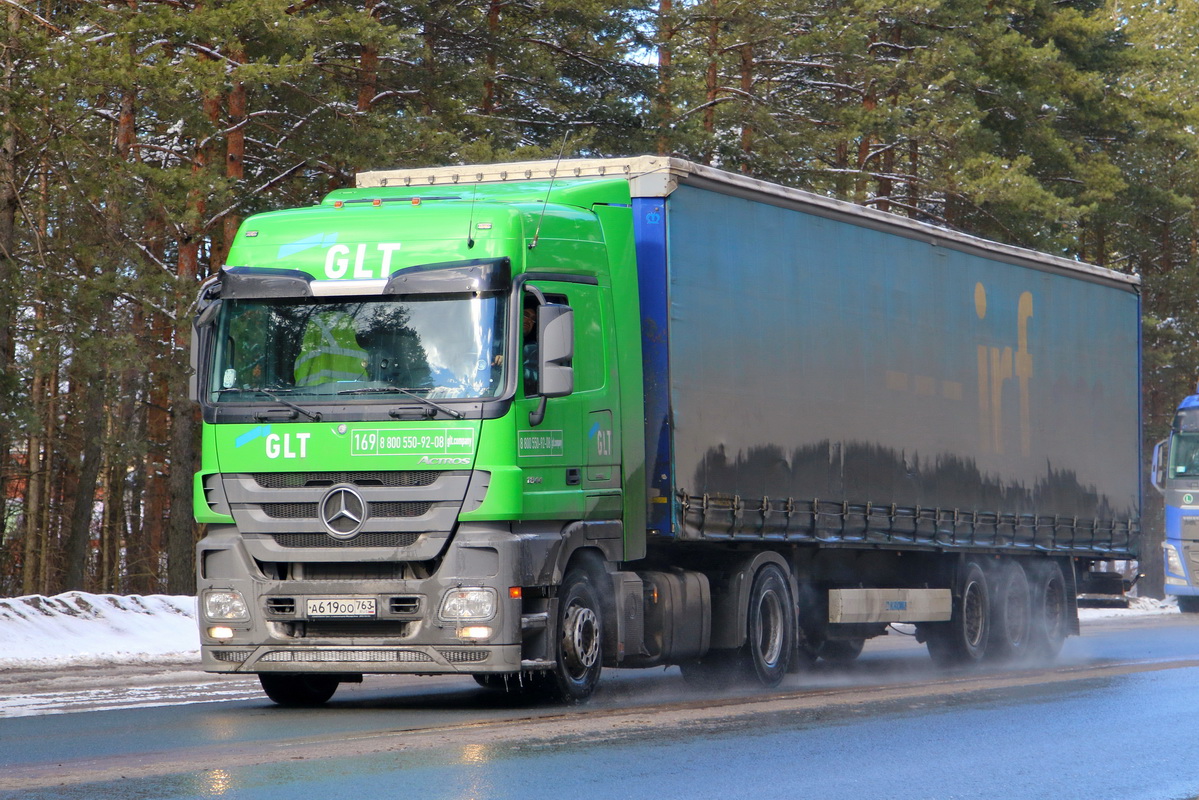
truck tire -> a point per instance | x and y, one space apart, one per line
1050 610
1011 613
1188 604
298 691
769 647
578 640
963 640
770 634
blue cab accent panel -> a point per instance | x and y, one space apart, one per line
649 227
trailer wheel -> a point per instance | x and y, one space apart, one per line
1050 610
298 691
578 655
770 635
1011 608
963 640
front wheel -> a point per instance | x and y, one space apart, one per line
298 691
1188 604
578 640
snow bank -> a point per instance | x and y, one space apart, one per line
95 629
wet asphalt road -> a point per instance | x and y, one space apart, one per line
1113 719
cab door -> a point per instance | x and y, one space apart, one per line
570 451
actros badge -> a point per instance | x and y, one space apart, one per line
343 511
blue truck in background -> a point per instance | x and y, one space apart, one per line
1176 475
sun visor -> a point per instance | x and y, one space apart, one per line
478 275
253 283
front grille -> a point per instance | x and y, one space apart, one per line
465 656
353 571
404 605
386 509
290 510
1192 556
357 628
400 509
232 656
281 605
347 656
300 480
383 539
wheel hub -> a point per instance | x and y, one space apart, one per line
580 637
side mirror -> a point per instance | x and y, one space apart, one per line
1158 471
556 335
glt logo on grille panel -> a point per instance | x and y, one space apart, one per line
343 511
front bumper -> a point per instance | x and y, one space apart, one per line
405 635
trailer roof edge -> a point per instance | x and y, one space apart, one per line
659 176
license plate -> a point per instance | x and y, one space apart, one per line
341 607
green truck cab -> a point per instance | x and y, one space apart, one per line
405 394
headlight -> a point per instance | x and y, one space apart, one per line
464 604
1173 560
225 605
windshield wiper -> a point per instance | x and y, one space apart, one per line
451 412
271 392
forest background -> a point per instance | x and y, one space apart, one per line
135 135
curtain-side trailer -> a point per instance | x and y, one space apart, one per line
523 421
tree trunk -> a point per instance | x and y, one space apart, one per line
711 81
747 87
489 82
79 529
8 264
181 538
235 157
663 101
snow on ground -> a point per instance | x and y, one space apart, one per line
77 628
84 629
1137 607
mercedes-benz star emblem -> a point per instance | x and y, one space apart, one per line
343 511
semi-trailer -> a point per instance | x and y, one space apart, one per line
525 421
